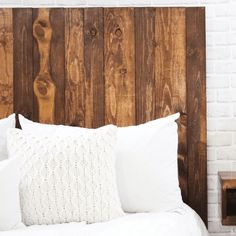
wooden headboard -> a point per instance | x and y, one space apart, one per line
94 66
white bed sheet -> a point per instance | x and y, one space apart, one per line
181 222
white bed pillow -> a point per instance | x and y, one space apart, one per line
5 124
146 163
10 215
66 178
147 166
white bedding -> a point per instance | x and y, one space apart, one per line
181 222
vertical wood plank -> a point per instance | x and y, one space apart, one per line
6 65
74 54
170 76
145 64
23 61
119 66
57 61
44 87
94 82
196 107
49 53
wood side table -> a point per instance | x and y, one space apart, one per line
228 197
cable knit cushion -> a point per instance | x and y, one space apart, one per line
66 178
5 124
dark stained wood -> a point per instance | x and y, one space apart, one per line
6 63
50 81
94 78
170 77
119 66
145 64
196 110
44 87
57 61
23 61
75 78
125 66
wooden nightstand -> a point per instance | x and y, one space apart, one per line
228 197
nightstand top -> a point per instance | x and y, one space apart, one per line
227 175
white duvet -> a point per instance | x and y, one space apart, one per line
181 222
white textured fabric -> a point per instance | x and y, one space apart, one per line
181 222
66 178
146 162
10 215
5 124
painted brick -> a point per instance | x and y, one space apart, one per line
218 25
213 197
218 53
233 24
225 67
226 125
211 95
219 139
71 2
224 96
222 10
38 2
216 227
213 210
211 154
226 153
218 110
218 81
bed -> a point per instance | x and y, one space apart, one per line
181 222
94 66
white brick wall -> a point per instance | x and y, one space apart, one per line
221 85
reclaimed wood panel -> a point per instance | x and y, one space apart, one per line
119 66
74 65
23 61
170 76
126 66
44 86
6 59
49 88
57 61
196 110
94 77
145 64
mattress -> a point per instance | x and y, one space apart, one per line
179 222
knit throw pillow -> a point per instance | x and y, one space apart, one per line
66 178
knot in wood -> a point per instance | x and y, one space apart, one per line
155 43
118 32
191 51
93 32
42 88
123 71
39 31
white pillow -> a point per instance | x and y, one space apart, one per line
146 163
66 178
5 124
147 166
10 215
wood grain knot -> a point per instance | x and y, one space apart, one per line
123 71
40 27
155 43
191 52
118 32
44 86
183 118
93 32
